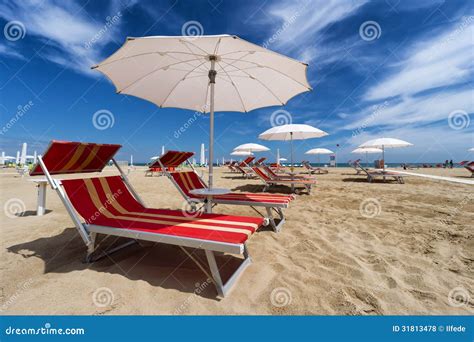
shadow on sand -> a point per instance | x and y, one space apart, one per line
160 265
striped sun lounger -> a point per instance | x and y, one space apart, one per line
307 183
110 206
186 181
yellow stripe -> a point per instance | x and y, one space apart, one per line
75 157
90 157
96 200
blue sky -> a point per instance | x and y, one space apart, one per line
407 75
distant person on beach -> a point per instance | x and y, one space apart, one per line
446 164
451 164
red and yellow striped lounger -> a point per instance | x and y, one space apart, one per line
185 181
307 183
110 206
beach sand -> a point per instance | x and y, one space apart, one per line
349 248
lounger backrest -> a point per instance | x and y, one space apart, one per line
260 161
270 171
94 198
65 157
172 159
260 173
247 161
188 181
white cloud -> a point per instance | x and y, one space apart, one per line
441 61
66 30
417 110
300 25
10 52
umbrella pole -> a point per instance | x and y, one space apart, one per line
292 165
212 81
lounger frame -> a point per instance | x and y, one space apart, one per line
371 175
88 234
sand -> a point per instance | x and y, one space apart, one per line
349 248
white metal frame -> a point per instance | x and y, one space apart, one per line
88 234
270 207
384 174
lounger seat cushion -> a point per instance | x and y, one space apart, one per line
188 181
106 201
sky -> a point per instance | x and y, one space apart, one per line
394 68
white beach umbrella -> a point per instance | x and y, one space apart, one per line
17 159
154 157
282 159
163 150
367 151
250 147
204 74
471 149
241 153
318 152
384 143
292 132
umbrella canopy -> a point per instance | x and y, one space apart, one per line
292 132
241 153
319 151
384 143
282 159
204 74
471 149
367 150
155 157
251 148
